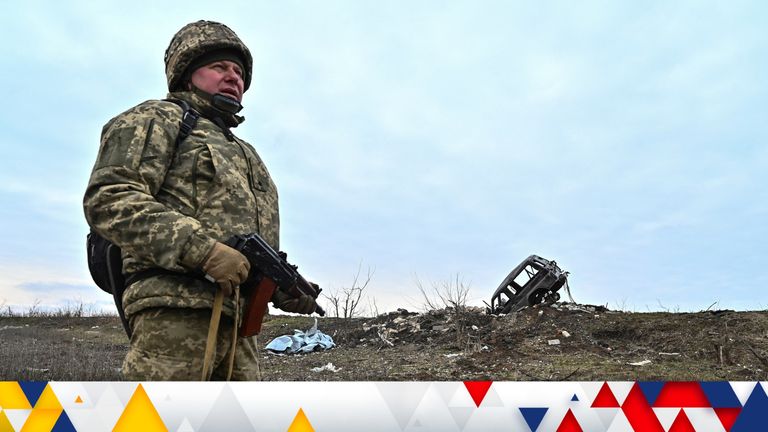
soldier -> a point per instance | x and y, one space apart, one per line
169 206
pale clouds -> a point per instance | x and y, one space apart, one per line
434 138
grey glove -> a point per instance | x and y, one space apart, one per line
304 305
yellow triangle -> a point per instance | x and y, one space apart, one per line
48 400
41 420
140 414
78 400
300 423
5 424
12 396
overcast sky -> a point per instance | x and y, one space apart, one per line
425 140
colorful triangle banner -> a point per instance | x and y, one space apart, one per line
140 414
477 390
605 398
301 423
533 416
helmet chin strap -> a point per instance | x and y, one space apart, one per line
219 101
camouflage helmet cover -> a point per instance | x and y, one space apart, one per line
197 39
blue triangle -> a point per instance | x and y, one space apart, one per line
574 398
651 390
752 416
720 394
533 416
63 424
32 390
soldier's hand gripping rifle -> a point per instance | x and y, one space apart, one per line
269 271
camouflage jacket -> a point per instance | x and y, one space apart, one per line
166 206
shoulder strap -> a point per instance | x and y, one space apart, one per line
189 119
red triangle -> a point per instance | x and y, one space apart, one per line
639 414
683 395
727 416
681 423
605 398
478 390
569 423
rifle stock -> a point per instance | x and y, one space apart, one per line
273 272
257 307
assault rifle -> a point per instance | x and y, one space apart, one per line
269 271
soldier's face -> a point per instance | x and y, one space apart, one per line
221 76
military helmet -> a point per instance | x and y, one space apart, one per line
198 39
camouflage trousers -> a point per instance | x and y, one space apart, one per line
168 344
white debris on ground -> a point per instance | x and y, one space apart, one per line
328 367
566 334
301 342
553 342
640 363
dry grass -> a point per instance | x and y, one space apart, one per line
39 347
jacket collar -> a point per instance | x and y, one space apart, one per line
207 110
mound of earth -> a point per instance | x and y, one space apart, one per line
564 341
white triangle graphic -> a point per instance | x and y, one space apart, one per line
666 416
68 392
743 390
226 414
461 415
590 390
462 398
491 399
17 417
606 415
704 419
124 391
402 399
620 424
177 401
447 390
621 389
185 426
109 407
95 389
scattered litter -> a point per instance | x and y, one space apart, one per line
383 336
566 334
475 328
669 354
452 355
541 312
328 367
640 363
302 342
554 341
484 348
95 327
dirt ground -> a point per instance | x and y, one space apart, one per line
561 342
